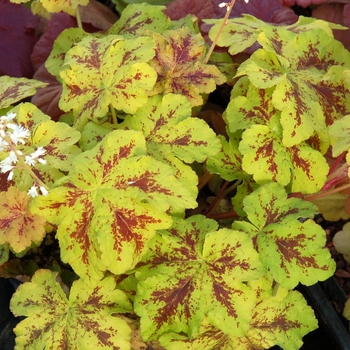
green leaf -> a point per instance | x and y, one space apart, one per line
292 250
83 320
193 270
311 90
64 42
140 19
106 71
249 106
13 90
266 158
180 66
18 227
57 139
238 34
172 134
340 135
111 203
281 320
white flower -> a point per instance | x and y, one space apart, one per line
7 164
43 191
33 192
8 117
246 1
19 134
10 176
30 159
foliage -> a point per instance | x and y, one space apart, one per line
183 225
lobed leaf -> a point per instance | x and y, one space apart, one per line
266 158
140 19
111 203
191 271
13 90
309 98
179 63
281 321
58 321
58 140
63 43
292 250
18 227
106 71
173 136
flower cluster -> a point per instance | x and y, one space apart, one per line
11 135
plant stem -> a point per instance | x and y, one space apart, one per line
211 49
114 116
223 216
204 179
325 193
217 199
77 16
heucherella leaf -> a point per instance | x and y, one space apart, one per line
266 158
87 318
18 227
340 135
179 64
64 42
172 134
292 250
193 270
106 71
279 318
56 141
238 34
111 203
308 98
140 19
13 90
52 6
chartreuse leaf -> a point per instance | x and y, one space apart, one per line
179 64
171 133
106 71
111 203
193 270
13 90
57 139
18 227
266 158
52 6
139 19
237 34
308 98
279 318
4 253
293 251
82 320
340 135
64 42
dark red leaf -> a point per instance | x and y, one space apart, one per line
18 37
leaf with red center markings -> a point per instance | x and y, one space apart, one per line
172 134
179 62
111 203
67 6
106 71
18 227
13 90
139 19
58 142
291 249
89 316
193 270
307 72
